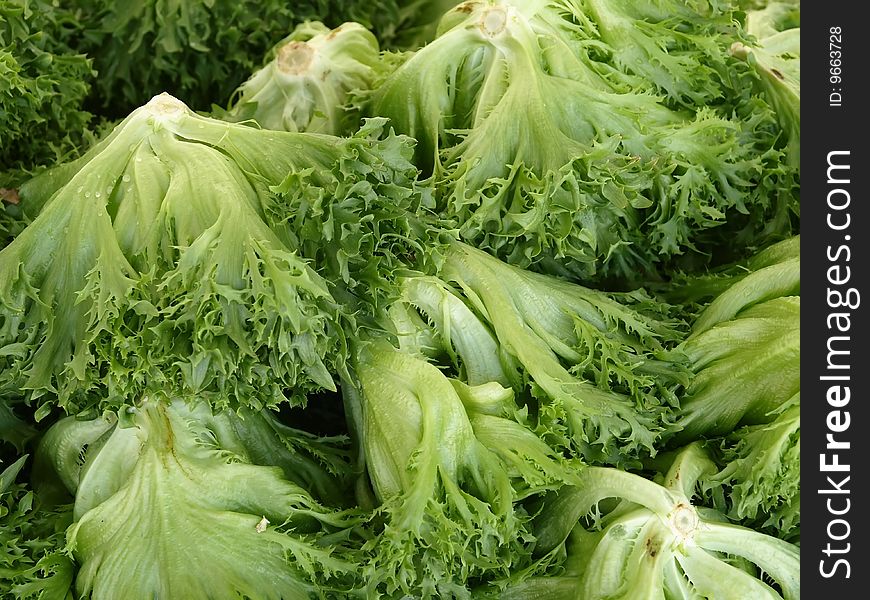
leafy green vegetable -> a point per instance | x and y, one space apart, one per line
169 476
198 50
43 85
32 561
597 366
745 346
305 84
170 277
671 45
451 327
416 23
656 544
745 351
485 376
368 223
156 259
608 181
760 476
590 370
449 510
13 429
745 369
11 221
444 475
704 287
529 329
777 59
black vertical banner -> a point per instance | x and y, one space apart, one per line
835 258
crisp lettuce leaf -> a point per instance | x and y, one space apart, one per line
611 180
448 478
206 520
33 564
759 481
307 81
198 50
673 46
454 329
171 273
744 348
13 429
776 58
363 228
44 80
710 283
598 368
745 369
416 24
656 543
446 501
11 219
318 464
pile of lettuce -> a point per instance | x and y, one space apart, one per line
393 299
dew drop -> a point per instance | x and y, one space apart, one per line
87 194
125 178
97 194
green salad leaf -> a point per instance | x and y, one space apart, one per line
168 474
611 180
759 481
448 478
305 85
44 80
776 57
655 543
33 563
